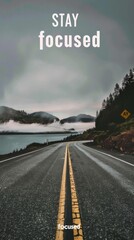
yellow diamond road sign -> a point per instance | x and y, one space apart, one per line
125 114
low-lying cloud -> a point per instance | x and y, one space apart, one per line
12 126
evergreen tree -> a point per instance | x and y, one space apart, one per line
125 81
104 104
116 103
130 74
116 90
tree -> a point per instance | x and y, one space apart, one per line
116 90
109 100
104 104
122 98
125 81
130 74
97 113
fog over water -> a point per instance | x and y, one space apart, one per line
54 127
11 142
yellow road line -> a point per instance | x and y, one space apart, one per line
61 211
78 233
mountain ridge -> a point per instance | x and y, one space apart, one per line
7 114
78 118
40 117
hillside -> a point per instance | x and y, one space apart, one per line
122 99
7 114
115 121
78 118
120 138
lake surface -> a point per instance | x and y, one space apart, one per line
9 143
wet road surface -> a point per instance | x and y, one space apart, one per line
95 190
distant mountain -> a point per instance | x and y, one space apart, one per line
78 118
7 114
44 116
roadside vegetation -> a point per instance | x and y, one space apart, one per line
115 120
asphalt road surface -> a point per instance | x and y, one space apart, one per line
68 185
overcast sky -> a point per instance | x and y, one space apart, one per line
63 81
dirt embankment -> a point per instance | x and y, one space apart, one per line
123 142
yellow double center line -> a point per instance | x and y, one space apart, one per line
61 212
77 233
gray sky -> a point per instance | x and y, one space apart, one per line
58 80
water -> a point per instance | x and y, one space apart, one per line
9 143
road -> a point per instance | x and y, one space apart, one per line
67 185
